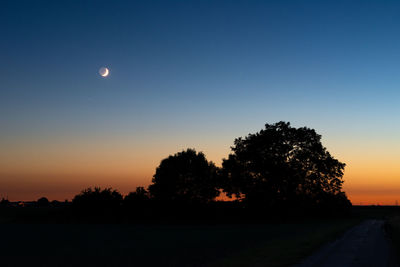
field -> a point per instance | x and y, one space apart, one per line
393 230
275 244
132 245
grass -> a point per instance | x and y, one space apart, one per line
164 245
392 226
274 244
293 243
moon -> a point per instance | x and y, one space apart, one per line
104 72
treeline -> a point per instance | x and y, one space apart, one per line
279 171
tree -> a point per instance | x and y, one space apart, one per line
137 204
282 165
137 198
97 199
43 202
186 177
4 202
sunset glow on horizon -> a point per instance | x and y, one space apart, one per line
181 75
59 174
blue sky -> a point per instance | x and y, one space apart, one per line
197 73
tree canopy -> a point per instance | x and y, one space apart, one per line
186 177
43 202
279 168
97 198
139 197
283 165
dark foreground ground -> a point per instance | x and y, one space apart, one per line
268 244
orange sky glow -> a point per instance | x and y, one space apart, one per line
33 170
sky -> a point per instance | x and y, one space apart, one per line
192 74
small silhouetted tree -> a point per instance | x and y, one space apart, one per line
186 177
137 203
281 166
4 202
138 197
97 199
43 202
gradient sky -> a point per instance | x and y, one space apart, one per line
192 74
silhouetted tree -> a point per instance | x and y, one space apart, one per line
43 202
137 198
97 199
337 201
186 177
137 204
282 165
4 202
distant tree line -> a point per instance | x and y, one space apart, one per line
276 171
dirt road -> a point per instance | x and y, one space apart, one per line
363 246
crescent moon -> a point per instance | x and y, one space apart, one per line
104 72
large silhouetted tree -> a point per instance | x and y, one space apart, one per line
282 165
186 177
